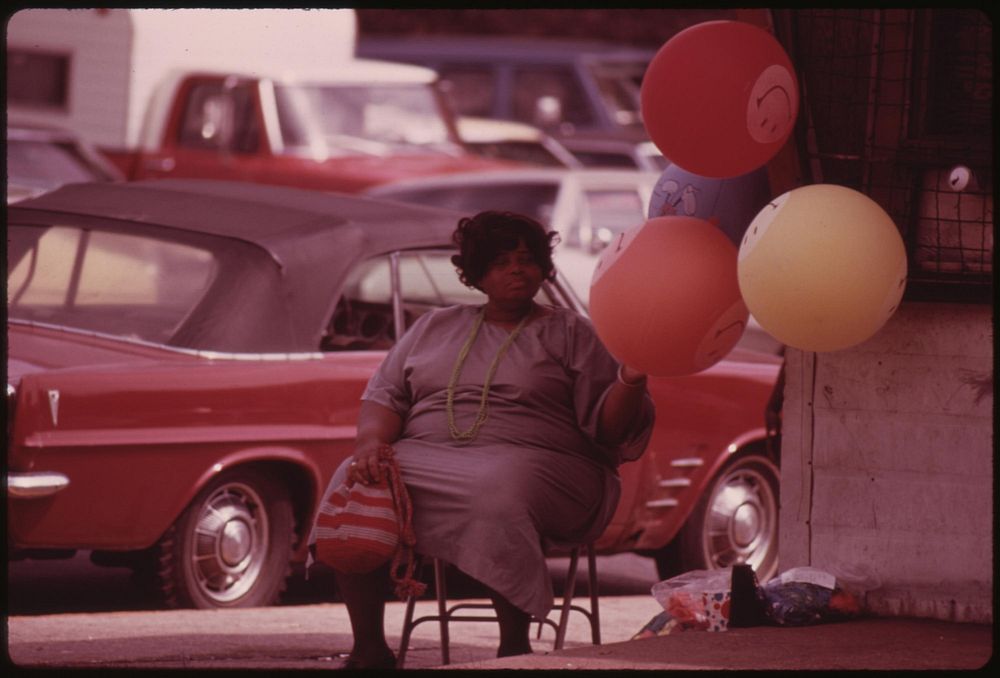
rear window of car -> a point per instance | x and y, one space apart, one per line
111 282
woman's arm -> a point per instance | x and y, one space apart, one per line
377 425
622 406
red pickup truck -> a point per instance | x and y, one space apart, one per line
370 127
287 103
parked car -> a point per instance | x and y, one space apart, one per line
566 87
185 360
607 152
507 140
40 158
587 207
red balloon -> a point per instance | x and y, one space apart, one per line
665 298
720 98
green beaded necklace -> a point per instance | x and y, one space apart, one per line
456 371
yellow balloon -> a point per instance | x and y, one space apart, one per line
822 267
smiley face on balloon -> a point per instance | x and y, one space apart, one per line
758 227
771 106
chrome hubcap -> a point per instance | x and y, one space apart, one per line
746 525
236 542
230 542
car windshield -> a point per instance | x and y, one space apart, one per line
46 165
326 120
619 83
519 151
612 212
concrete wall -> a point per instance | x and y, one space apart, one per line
887 462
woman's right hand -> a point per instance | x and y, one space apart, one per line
365 466
376 425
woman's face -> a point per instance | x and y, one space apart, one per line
512 276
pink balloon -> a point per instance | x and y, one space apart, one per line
720 98
665 298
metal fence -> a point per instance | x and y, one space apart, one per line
897 103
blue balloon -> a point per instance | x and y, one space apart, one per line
731 204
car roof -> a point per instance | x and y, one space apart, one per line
478 129
268 216
355 71
513 176
28 131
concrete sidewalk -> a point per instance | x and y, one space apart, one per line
875 644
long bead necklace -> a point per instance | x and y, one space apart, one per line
483 413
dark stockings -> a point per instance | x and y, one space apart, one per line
514 627
364 596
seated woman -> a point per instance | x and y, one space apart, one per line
508 421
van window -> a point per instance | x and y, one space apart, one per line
38 79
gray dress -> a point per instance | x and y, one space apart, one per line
534 474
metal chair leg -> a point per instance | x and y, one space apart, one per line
595 608
442 601
568 591
446 614
404 642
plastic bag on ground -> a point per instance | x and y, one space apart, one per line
803 596
699 599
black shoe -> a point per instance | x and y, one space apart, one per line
387 661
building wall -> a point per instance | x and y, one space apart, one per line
887 462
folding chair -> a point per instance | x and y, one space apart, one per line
448 614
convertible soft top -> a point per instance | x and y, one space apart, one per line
271 217
310 238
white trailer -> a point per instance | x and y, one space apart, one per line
113 59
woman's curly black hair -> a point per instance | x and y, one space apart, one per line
483 237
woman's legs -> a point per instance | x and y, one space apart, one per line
514 627
364 596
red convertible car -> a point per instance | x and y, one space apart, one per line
185 360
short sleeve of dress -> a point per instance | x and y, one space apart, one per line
595 371
388 385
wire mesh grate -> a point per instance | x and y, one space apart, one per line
897 103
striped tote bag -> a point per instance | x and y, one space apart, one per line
360 527
357 529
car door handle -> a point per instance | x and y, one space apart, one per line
160 164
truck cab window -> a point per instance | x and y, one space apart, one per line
220 118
